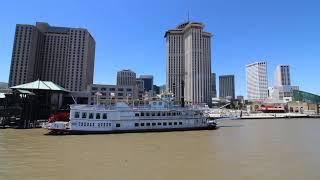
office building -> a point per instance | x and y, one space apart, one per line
147 82
126 77
106 94
282 90
257 81
226 86
213 85
62 55
156 90
188 56
282 75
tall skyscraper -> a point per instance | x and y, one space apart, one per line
126 77
213 85
147 82
226 86
188 50
282 75
59 54
257 81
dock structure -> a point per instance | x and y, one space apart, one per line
30 102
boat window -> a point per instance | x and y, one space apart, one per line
142 114
98 116
170 123
90 115
104 116
142 124
180 123
117 125
153 114
158 114
147 114
148 124
159 123
136 124
153 124
175 123
137 114
84 115
76 115
164 123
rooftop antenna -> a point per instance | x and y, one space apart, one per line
188 16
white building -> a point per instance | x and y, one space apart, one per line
189 61
282 93
257 81
282 75
282 90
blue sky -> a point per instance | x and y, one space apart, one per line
129 34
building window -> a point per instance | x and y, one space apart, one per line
153 124
153 114
159 123
175 123
142 114
170 123
180 123
164 123
136 124
147 114
136 115
98 116
117 125
76 115
142 124
90 115
104 116
84 115
148 124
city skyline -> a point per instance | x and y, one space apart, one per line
144 44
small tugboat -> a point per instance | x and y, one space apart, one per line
158 115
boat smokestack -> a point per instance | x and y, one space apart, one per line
182 93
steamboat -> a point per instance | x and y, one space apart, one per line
158 115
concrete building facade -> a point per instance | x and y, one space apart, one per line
257 81
59 54
106 94
188 52
282 75
126 77
226 86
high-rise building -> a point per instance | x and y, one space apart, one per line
282 90
126 77
188 50
257 81
147 82
213 85
282 75
226 86
59 54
